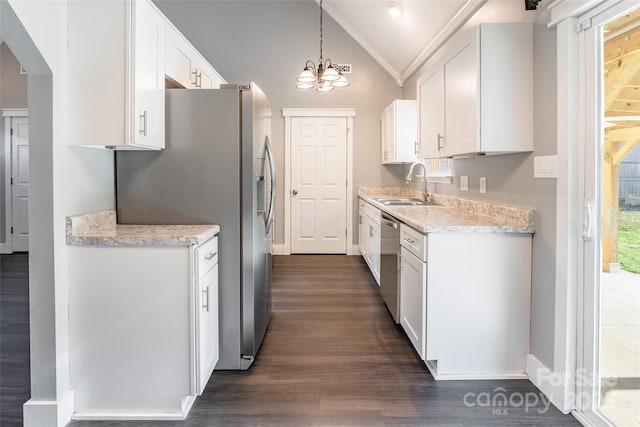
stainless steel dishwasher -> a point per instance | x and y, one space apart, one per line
389 269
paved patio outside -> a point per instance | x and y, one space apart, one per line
620 348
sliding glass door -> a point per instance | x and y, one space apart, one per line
608 376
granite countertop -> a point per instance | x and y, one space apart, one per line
453 214
100 229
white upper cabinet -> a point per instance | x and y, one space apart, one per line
478 99
398 128
121 55
207 77
148 70
431 113
185 67
180 60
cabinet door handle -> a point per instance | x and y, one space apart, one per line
205 298
210 256
195 78
143 123
409 239
415 148
440 138
199 79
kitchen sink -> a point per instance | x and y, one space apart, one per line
389 201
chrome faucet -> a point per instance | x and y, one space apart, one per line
424 176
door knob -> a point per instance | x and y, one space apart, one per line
294 192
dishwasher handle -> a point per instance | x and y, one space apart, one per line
389 221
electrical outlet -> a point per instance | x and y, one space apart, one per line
483 184
464 183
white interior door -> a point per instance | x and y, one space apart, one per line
318 185
20 184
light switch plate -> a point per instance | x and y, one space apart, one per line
545 167
483 184
464 183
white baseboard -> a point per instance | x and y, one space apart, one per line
281 249
475 376
130 416
45 413
286 250
548 382
5 248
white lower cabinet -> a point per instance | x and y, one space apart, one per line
465 302
413 292
369 237
143 329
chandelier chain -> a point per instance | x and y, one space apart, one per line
321 31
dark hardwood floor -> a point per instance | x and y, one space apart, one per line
332 357
14 337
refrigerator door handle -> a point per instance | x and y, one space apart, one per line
272 172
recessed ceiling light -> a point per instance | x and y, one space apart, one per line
395 10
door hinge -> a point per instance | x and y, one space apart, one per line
11 132
11 180
11 230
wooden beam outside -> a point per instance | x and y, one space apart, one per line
624 134
618 77
623 22
622 46
631 107
623 151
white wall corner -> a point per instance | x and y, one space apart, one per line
45 413
552 384
5 248
353 250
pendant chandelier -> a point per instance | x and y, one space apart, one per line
326 77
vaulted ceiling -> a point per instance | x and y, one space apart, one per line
402 44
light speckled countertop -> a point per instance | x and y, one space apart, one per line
454 214
100 229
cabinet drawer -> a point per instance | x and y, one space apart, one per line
371 211
206 256
414 241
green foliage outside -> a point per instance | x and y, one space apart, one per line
629 240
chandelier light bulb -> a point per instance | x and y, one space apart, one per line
341 82
330 74
326 86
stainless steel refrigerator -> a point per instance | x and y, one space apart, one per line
217 168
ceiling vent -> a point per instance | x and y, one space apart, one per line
343 68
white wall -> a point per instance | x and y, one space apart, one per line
64 181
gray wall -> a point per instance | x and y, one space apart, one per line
269 42
510 181
13 94
13 85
